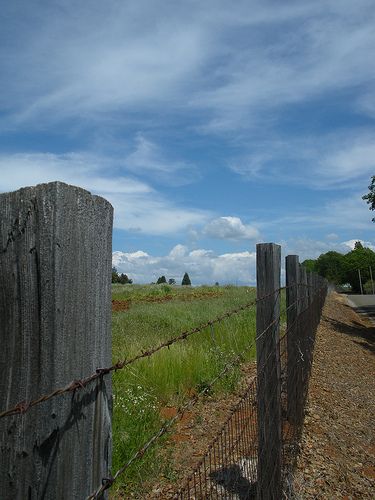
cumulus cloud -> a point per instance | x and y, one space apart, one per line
230 228
203 266
367 244
207 267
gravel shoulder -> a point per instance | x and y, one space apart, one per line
337 459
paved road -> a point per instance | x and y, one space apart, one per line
364 304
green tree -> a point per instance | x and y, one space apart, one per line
330 265
161 279
370 197
124 279
171 281
310 265
115 276
186 280
359 259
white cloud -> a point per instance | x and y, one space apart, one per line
206 267
332 237
129 57
337 160
93 60
203 266
148 158
138 207
351 244
309 248
230 228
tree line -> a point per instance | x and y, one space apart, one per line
123 279
353 269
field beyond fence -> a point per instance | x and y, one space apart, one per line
170 347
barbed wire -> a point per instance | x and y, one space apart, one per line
107 482
22 407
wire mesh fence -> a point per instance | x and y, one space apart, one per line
229 468
255 452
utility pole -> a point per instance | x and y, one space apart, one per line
360 281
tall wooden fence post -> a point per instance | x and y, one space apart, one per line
268 363
55 323
310 279
304 291
293 307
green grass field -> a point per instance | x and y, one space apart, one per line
145 316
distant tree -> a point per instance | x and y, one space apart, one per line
217 283
115 276
186 280
370 197
171 281
330 265
310 265
361 259
124 279
161 279
343 269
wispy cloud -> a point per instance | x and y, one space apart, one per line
331 161
306 56
148 158
345 212
91 61
262 110
138 206
294 54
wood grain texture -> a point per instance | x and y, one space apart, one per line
55 324
268 367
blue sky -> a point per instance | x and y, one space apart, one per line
210 126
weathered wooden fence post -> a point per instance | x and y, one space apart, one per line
55 325
310 279
268 363
304 293
293 307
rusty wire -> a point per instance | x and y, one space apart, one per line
229 470
166 426
107 483
22 406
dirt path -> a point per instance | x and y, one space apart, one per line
338 446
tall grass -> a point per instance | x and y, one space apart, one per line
170 376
